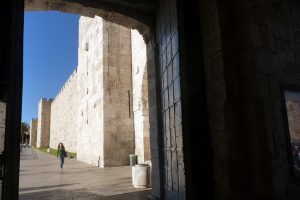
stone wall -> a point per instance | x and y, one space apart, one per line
153 120
250 54
64 113
43 125
268 52
33 131
140 97
105 122
90 93
219 105
117 89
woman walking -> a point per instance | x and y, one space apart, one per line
61 153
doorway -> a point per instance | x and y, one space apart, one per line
100 113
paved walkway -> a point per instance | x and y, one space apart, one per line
40 179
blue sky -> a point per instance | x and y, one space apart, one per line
50 56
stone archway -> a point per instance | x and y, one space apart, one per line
138 15
162 50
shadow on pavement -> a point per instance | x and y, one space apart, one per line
61 194
43 187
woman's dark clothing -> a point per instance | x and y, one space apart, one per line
61 156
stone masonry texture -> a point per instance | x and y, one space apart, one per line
250 55
43 125
117 90
33 131
63 127
90 129
140 97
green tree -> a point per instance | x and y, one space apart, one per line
24 131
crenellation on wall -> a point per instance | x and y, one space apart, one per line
63 126
69 80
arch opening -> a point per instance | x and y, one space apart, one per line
142 23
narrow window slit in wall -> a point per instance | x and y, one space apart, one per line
87 66
129 104
87 113
86 48
87 59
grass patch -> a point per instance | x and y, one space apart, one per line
54 152
72 155
42 149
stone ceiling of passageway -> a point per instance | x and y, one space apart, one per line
134 14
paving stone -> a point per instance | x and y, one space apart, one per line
40 179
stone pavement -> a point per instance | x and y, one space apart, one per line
40 179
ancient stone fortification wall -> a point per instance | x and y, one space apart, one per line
90 92
117 89
64 113
93 113
140 97
33 131
105 119
43 126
